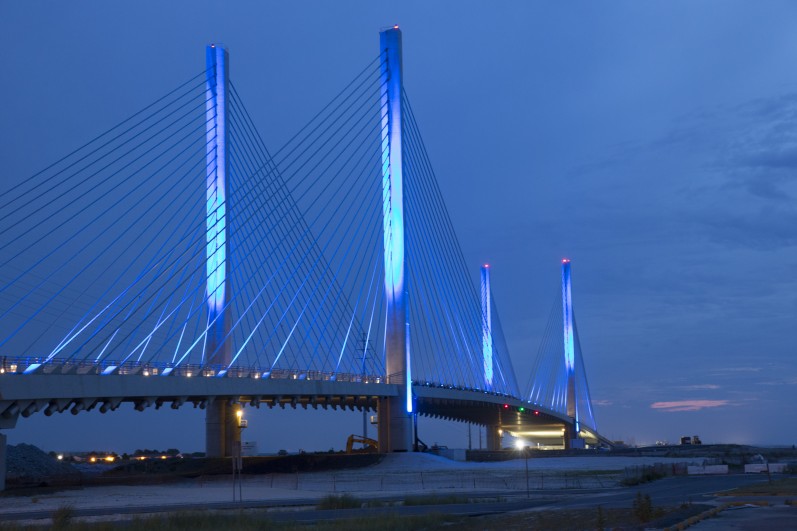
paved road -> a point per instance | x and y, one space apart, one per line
666 492
751 519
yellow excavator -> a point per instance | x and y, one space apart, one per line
369 446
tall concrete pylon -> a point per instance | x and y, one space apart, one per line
221 430
395 413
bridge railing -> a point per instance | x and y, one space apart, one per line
23 365
440 385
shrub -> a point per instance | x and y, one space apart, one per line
643 507
62 517
435 500
344 501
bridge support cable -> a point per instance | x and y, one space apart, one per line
42 178
457 268
583 396
458 300
434 270
78 251
306 290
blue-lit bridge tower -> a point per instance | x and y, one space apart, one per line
221 432
395 421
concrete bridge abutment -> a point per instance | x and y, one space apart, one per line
222 428
3 466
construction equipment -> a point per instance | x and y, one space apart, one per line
369 446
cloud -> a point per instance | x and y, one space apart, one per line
738 369
688 405
700 387
602 402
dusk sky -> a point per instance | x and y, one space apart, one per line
652 143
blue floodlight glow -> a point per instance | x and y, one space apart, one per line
567 316
216 135
392 178
487 323
569 343
408 382
397 334
32 368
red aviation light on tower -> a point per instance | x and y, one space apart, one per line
565 260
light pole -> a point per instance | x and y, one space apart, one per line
237 455
521 446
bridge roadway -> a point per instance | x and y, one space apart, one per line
84 388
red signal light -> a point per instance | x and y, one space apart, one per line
506 406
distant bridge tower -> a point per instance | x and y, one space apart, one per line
571 439
395 421
487 328
493 427
220 430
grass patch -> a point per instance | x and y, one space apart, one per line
645 477
390 523
435 500
344 501
561 520
235 521
779 487
62 517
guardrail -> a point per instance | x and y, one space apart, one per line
39 365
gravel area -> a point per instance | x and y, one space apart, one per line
396 474
28 464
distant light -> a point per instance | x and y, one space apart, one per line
60 457
536 412
565 260
239 413
506 406
486 265
110 458
93 459
519 444
395 26
521 409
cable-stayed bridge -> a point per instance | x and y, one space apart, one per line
174 259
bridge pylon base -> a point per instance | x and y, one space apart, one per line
2 461
571 440
494 432
395 425
222 432
493 438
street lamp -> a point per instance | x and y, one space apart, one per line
237 456
521 446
